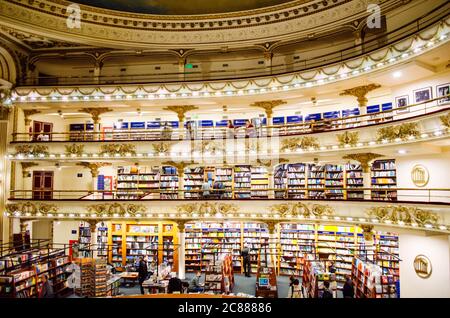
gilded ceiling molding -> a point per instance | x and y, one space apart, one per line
364 159
207 209
116 210
445 120
161 147
26 166
348 138
302 142
28 113
31 150
360 93
93 167
118 149
180 110
32 209
408 215
288 210
268 106
403 132
75 149
95 112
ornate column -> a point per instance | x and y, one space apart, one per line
268 107
182 249
93 229
181 111
272 244
94 169
365 159
360 93
97 71
180 170
27 113
268 60
95 114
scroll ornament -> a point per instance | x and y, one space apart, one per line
348 138
408 215
302 143
120 149
116 209
35 150
403 131
32 209
286 210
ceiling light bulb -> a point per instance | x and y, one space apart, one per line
397 74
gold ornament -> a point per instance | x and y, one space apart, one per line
348 138
360 93
403 131
445 120
95 112
408 215
268 106
120 149
303 143
363 158
161 147
181 110
75 149
34 150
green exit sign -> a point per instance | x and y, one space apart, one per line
189 65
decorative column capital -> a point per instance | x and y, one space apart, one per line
26 166
363 158
367 231
271 163
181 224
181 111
95 112
93 167
271 226
268 105
179 165
360 93
27 113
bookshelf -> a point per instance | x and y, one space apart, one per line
296 184
316 181
136 181
259 182
334 178
154 240
313 278
84 240
225 176
256 236
384 176
102 241
242 182
296 241
99 285
354 180
386 254
370 282
219 278
168 183
280 180
193 179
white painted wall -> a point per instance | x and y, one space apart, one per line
439 172
62 231
436 248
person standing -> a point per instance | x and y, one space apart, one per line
142 273
326 290
46 288
245 253
295 290
206 187
230 130
348 289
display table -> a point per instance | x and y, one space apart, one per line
131 277
156 287
266 283
112 285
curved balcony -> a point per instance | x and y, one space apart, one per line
312 62
415 112
435 196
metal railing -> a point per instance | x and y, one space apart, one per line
435 105
350 50
398 194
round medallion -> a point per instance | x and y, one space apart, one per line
422 266
420 175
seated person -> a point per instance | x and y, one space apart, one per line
175 285
194 285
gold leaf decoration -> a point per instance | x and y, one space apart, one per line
116 209
360 93
161 147
445 120
403 131
348 138
75 149
408 215
299 208
206 209
303 143
181 110
120 149
34 150
32 209
363 158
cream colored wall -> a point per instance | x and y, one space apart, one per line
436 248
439 176
42 229
62 231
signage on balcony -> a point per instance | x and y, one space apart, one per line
420 176
422 266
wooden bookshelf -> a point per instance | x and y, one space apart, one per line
384 176
242 182
313 278
84 240
259 182
193 180
334 178
316 182
354 179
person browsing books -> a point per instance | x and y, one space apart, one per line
348 289
326 290
245 253
46 288
194 285
142 273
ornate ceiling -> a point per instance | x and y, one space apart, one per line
186 7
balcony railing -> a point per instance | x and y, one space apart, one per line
309 127
397 194
350 50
